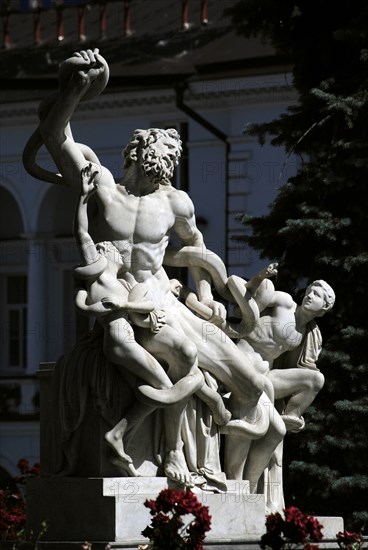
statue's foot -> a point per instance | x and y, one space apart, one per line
293 423
126 466
120 458
116 443
176 468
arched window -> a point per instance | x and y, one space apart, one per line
11 225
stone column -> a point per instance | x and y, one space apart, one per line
36 315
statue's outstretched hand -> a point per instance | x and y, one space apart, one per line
88 61
88 184
88 69
271 270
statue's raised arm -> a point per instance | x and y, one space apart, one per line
81 77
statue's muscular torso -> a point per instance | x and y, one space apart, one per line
138 226
276 330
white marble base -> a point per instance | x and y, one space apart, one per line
112 509
331 526
235 514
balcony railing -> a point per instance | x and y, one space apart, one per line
96 19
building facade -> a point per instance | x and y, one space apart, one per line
224 171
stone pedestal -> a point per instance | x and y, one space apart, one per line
112 509
74 509
102 508
235 514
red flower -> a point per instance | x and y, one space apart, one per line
151 504
349 540
36 469
12 505
295 529
23 466
166 529
12 515
314 528
274 523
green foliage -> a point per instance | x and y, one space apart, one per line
317 228
29 540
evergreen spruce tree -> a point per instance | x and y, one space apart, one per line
317 228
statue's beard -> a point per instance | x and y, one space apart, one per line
159 169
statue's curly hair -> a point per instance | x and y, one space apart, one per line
143 138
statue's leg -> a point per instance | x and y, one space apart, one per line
121 349
236 452
172 346
125 427
221 357
273 482
180 356
301 386
262 449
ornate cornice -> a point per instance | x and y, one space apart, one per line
218 94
